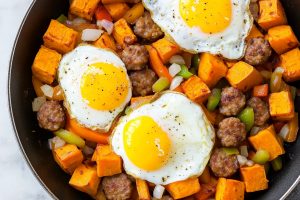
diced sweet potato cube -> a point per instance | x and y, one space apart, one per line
282 39
68 157
143 190
267 140
211 69
106 41
45 65
271 13
281 106
84 8
108 163
184 188
229 189
85 179
166 49
254 33
290 62
59 37
196 89
123 33
135 12
254 178
243 76
117 10
206 192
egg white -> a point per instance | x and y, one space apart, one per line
191 135
70 71
229 43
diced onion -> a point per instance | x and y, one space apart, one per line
47 90
91 34
158 191
37 103
87 150
244 150
174 69
279 70
56 142
284 131
242 160
78 21
249 163
176 82
177 59
107 25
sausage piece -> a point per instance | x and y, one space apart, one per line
142 82
117 187
135 57
232 101
258 51
261 110
223 165
147 29
51 116
232 132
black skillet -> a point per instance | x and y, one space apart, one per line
33 140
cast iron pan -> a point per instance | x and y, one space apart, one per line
33 140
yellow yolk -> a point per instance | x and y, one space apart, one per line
211 16
104 86
146 144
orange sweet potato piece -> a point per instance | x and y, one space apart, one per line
45 65
106 41
205 176
254 178
85 179
108 163
211 69
267 139
184 188
117 10
68 157
229 189
134 13
281 106
84 8
143 190
166 49
37 86
59 37
243 76
196 89
282 39
271 13
123 33
290 61
254 33
207 191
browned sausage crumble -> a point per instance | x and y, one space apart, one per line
142 82
135 57
261 110
258 51
232 101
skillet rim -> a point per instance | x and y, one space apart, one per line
41 182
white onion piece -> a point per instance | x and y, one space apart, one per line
279 70
244 151
176 82
37 103
87 150
91 34
177 59
56 142
284 131
158 191
107 25
47 90
249 163
78 21
174 69
242 160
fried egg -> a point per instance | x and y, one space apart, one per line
96 86
214 26
167 140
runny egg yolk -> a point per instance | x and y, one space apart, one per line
104 86
211 16
146 144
